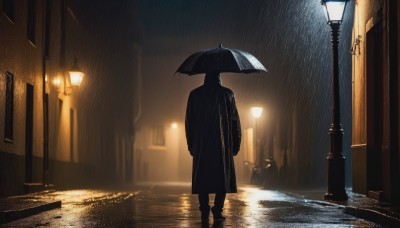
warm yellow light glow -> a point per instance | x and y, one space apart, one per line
256 111
174 125
57 81
248 142
75 77
75 74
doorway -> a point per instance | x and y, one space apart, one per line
374 89
29 133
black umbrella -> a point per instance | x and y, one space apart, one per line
221 60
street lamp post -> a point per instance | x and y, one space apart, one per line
334 10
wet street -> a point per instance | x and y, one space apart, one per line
172 205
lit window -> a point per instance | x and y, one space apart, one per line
158 136
31 21
8 9
8 134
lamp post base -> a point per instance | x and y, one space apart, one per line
336 178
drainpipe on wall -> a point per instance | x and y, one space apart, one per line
45 50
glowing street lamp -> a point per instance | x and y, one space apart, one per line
334 11
256 112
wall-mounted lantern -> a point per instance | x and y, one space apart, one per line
74 79
75 74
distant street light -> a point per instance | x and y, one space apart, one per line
256 112
57 82
334 11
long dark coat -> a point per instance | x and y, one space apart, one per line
213 136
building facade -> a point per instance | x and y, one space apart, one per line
52 132
375 121
22 88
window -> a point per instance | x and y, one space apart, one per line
8 9
31 21
157 136
47 29
8 135
29 134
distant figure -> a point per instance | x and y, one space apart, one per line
213 136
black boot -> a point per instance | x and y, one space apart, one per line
217 214
205 213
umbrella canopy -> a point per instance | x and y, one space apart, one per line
221 60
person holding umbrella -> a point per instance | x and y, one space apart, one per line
213 135
212 125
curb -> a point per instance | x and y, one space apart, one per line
373 216
12 215
363 213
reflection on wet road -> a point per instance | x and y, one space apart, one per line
172 205
251 207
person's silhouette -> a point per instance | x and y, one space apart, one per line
213 136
